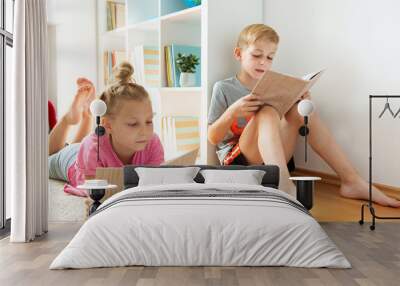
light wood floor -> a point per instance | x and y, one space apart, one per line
330 206
374 255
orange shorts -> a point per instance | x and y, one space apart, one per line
235 157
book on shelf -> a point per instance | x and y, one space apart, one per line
167 137
281 91
172 70
180 133
187 133
146 65
111 60
115 15
168 67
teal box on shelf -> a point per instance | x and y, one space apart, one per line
192 3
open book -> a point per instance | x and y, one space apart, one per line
282 91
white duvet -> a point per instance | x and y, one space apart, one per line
183 231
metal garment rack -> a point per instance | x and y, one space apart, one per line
370 203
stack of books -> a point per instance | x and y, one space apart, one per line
146 64
111 60
172 71
180 133
115 15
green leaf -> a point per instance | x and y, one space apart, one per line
187 63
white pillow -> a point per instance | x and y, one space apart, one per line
249 177
164 176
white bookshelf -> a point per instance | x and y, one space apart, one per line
214 26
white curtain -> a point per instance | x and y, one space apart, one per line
28 123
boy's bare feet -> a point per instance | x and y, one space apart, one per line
358 189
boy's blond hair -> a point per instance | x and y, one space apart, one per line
250 34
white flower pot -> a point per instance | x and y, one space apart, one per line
187 79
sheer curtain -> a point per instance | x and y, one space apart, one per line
27 123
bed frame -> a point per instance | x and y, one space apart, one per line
126 177
270 179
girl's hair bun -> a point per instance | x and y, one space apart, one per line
124 87
124 72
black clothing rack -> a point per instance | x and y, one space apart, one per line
370 203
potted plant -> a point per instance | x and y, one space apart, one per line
187 67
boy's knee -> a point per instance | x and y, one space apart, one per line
267 113
293 116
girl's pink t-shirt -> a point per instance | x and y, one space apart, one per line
86 161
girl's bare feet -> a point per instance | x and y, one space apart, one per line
357 188
74 114
84 82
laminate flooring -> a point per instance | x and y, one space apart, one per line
374 255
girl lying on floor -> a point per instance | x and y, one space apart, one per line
129 137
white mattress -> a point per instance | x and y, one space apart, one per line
183 231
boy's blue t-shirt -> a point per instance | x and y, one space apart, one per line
224 94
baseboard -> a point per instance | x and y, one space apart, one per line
334 180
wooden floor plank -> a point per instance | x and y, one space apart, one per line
330 206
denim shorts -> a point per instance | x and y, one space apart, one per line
60 162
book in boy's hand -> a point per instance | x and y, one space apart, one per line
282 91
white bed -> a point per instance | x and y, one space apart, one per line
250 225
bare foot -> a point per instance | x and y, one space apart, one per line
89 99
358 189
73 116
84 82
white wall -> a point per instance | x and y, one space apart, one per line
358 42
75 41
